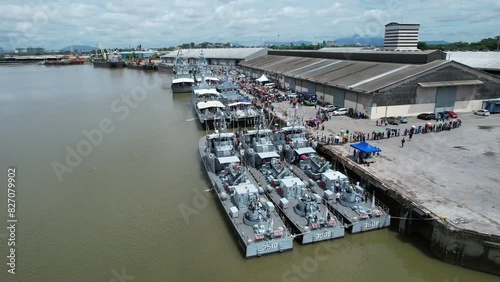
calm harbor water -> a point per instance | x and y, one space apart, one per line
110 188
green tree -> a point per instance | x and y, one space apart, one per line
422 45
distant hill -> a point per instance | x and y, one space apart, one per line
80 48
437 42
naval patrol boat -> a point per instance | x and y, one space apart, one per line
253 218
182 78
305 210
360 210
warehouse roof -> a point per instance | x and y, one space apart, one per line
478 60
353 75
404 57
221 53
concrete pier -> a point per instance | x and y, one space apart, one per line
441 185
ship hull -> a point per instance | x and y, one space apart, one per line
147 68
48 63
109 64
164 68
354 225
176 88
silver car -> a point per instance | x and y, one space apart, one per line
329 108
482 112
403 119
341 111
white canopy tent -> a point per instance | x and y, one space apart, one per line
262 78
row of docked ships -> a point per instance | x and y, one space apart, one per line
274 187
271 184
214 101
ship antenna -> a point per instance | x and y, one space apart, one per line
373 199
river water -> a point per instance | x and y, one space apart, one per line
110 187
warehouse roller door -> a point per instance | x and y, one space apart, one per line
445 99
338 97
291 82
311 87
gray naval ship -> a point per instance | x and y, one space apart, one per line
182 78
242 112
360 210
253 218
305 211
302 207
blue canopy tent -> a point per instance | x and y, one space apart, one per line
366 148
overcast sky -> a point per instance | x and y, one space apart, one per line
53 24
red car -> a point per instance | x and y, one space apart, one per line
451 114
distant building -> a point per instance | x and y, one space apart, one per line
1 49
20 50
401 37
35 50
137 54
329 43
216 56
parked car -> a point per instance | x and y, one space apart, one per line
451 114
403 119
482 112
426 116
392 120
329 108
341 111
442 115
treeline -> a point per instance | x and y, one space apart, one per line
487 44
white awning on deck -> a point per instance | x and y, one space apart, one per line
206 91
265 155
239 103
209 104
227 160
306 150
181 80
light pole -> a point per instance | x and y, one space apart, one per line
278 41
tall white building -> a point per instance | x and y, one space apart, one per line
401 37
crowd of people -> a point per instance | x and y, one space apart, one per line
267 97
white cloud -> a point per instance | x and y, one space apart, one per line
118 23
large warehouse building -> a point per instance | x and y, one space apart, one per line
382 83
216 56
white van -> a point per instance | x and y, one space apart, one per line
269 85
